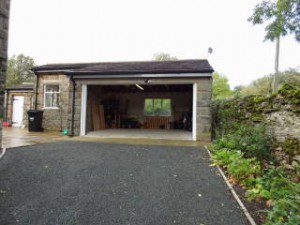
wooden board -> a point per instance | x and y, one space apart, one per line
95 117
101 117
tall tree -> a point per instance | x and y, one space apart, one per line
19 70
283 17
164 57
221 88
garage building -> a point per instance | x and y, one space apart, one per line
144 99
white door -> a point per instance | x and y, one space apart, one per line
18 109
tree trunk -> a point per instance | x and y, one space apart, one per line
275 85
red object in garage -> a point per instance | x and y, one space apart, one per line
6 124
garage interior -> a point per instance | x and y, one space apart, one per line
140 111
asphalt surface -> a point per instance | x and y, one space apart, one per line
97 183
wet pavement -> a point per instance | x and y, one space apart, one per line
17 137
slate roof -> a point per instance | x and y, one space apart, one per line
134 67
21 87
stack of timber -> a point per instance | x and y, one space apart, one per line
98 118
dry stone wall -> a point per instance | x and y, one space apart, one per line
280 113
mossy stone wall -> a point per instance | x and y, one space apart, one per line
280 113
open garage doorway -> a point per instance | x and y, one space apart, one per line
140 111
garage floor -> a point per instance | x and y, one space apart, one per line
143 134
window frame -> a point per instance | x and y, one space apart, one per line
161 106
51 92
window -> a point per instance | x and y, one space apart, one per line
157 107
51 96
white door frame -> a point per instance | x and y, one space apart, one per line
84 108
194 126
18 112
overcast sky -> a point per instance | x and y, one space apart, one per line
58 31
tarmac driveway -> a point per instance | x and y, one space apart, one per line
97 183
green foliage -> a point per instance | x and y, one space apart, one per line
283 17
272 184
164 57
249 139
19 70
221 88
285 210
276 186
263 85
243 147
291 146
242 169
224 157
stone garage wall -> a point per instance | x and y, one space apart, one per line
4 16
280 113
60 119
55 119
203 107
77 109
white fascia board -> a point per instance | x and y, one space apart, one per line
172 75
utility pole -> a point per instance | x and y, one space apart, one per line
275 84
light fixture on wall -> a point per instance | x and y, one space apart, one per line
139 87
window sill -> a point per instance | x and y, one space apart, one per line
50 108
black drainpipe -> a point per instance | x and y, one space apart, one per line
36 92
6 105
73 106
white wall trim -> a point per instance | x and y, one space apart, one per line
83 110
140 81
195 111
171 75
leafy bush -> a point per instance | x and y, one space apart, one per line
242 169
225 156
274 184
286 211
251 140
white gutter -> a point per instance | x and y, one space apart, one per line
173 75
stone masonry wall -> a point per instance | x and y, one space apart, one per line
77 109
203 118
280 113
4 18
55 119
